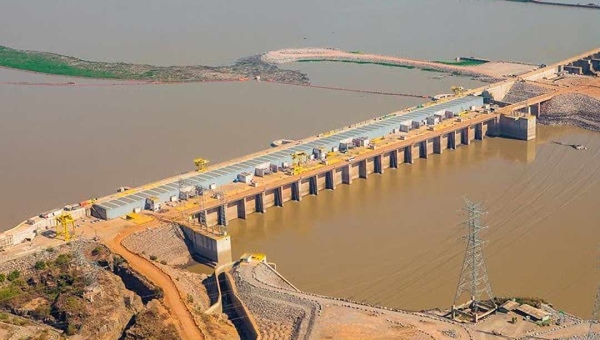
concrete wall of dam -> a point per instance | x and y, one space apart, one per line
375 162
522 128
215 249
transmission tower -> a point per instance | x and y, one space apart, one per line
89 268
473 277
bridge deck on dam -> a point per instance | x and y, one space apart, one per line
125 203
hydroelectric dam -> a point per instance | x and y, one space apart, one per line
204 201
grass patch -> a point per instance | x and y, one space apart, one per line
9 292
355 62
46 63
462 62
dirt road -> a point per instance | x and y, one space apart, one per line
183 319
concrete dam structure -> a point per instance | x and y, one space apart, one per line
375 161
225 174
254 183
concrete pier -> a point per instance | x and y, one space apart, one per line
465 136
346 176
423 149
260 203
330 180
296 196
279 197
313 186
408 156
394 159
242 209
215 249
378 160
362 169
437 145
479 131
452 140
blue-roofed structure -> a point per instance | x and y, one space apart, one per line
119 206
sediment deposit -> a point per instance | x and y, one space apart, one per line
332 54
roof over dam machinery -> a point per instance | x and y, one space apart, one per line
116 206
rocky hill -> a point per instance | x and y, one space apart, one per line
75 291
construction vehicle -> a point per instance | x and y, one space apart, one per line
299 161
201 164
62 226
458 90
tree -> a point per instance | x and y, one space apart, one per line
14 275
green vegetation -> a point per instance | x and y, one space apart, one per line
9 292
46 63
62 260
39 265
2 278
13 275
356 62
51 63
153 257
58 285
463 62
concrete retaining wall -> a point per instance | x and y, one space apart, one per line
522 128
240 308
212 247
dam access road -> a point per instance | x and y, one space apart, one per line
202 202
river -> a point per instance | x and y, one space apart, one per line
394 239
60 145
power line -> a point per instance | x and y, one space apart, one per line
473 277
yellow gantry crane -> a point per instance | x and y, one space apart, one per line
299 160
201 164
62 226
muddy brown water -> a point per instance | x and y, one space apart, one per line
391 240
394 239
